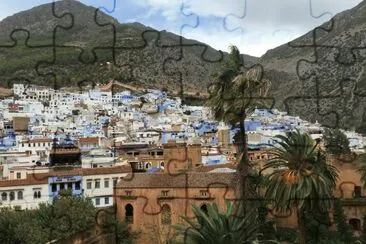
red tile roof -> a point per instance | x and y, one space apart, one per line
192 180
42 178
88 139
40 140
24 182
208 168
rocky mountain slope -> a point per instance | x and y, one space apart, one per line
71 42
327 82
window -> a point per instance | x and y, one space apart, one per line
97 201
106 200
39 194
20 195
204 209
128 193
203 193
114 182
106 183
4 196
355 223
54 187
166 215
62 186
129 213
19 175
69 185
35 195
164 193
357 191
77 185
97 184
11 196
88 185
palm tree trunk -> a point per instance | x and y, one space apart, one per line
301 225
243 168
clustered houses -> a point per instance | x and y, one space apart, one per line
101 137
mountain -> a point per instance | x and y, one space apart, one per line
335 70
71 42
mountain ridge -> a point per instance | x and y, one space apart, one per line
148 58
140 57
334 71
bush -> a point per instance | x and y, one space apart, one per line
287 234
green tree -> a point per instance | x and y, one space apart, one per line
215 227
233 95
335 141
66 216
344 231
301 179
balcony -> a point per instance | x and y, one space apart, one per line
165 197
128 197
203 197
357 201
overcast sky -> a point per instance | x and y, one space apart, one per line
253 25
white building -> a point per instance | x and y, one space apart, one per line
23 193
99 183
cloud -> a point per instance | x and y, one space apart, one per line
259 24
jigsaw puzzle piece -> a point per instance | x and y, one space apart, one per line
60 76
97 33
23 57
319 108
40 34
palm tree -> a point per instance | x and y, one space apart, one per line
233 95
213 227
301 177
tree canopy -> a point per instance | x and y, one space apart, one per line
65 217
336 142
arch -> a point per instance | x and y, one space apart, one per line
4 196
11 196
204 208
148 165
166 215
355 223
20 195
162 164
129 213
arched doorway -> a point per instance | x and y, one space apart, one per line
129 213
355 223
204 208
166 215
148 165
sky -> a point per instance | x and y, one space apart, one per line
254 26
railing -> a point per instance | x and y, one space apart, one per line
208 196
126 197
359 201
165 197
